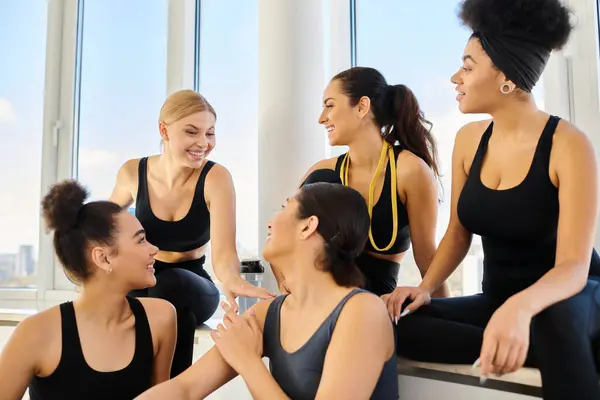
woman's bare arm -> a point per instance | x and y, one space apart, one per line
363 340
19 357
126 180
207 374
421 191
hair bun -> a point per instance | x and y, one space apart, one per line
62 204
546 22
340 253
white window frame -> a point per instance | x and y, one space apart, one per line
60 121
571 78
59 32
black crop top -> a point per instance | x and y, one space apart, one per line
518 226
299 373
381 220
189 233
75 379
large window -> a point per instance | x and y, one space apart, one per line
228 78
122 84
413 45
23 29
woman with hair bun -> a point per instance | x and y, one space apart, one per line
526 182
328 339
103 345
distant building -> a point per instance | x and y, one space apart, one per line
25 261
7 266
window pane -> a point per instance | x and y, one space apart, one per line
123 86
403 40
21 131
229 80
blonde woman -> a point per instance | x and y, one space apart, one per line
183 200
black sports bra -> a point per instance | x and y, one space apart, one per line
189 233
75 379
381 218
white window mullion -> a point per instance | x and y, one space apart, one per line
181 44
339 39
571 78
61 101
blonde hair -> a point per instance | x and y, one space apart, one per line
183 103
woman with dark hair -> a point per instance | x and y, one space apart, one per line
392 162
103 345
526 182
327 339
184 201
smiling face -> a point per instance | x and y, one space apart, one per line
282 231
190 139
131 258
478 81
288 234
341 120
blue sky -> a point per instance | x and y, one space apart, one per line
124 82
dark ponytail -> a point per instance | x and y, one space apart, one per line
406 124
343 225
396 111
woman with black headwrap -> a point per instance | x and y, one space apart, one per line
526 182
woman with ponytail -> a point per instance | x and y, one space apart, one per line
392 162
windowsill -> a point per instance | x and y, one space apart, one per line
526 381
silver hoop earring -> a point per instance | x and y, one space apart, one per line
506 88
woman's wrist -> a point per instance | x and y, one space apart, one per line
428 286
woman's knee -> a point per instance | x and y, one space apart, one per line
573 312
186 290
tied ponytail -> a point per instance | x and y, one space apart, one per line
405 123
395 109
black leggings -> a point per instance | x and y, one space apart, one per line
381 276
189 288
563 343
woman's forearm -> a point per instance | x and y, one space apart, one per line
451 252
261 383
560 283
172 389
227 267
423 263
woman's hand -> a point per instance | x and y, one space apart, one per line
239 339
238 286
505 339
396 299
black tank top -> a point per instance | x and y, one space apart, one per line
381 219
189 233
74 379
518 226
299 373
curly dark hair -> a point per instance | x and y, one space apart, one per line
547 22
77 224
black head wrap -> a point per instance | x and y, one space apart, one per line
522 60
